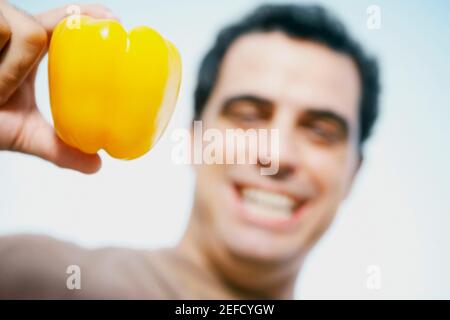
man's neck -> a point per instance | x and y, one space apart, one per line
237 277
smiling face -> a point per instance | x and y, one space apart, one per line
308 92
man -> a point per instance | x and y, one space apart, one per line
287 67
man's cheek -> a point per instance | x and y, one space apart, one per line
330 173
213 183
339 183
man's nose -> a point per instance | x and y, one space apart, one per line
288 158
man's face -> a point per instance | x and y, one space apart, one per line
308 92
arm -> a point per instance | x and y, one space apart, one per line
33 265
39 267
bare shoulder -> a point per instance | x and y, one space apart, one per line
32 266
26 246
36 266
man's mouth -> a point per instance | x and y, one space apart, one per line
268 204
269 207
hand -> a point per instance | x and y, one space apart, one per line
23 42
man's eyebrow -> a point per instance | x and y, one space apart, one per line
327 114
257 100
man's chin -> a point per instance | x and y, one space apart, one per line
266 250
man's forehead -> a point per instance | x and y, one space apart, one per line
291 71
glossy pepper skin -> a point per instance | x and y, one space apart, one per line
110 89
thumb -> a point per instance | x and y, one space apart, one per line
51 18
39 138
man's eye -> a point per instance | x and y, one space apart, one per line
245 114
324 133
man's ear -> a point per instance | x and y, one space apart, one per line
358 165
354 173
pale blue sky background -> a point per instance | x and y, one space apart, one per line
397 218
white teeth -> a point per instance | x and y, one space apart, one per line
265 211
268 203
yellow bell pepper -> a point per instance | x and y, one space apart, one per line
110 89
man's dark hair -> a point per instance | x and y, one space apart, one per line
310 22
